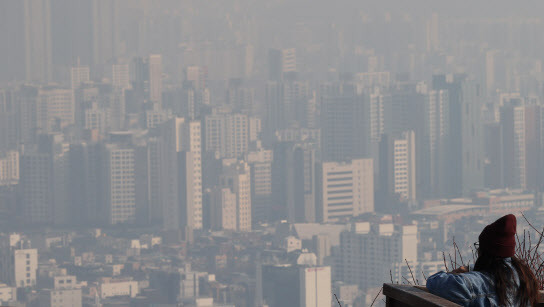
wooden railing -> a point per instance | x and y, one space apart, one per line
406 296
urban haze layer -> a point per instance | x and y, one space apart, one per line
253 153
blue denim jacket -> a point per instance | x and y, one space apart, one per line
469 289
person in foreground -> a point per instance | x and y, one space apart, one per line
498 279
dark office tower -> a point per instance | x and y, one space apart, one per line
274 64
301 188
466 168
8 120
274 101
12 62
293 182
37 25
105 37
85 189
493 155
432 155
43 182
71 30
520 131
533 143
344 127
27 98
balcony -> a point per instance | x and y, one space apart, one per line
407 296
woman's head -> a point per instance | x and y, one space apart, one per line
499 238
497 245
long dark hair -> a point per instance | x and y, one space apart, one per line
502 274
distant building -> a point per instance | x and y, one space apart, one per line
112 287
231 201
398 168
79 74
9 168
260 162
120 192
344 189
344 126
56 109
155 77
181 175
297 284
18 261
367 252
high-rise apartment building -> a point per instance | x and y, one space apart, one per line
227 134
55 109
260 162
345 189
120 185
9 168
236 177
181 175
223 211
398 168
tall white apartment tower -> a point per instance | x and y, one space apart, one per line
404 166
345 189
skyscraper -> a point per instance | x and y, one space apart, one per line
398 169
344 127
181 176
260 162
432 160
155 77
9 130
520 131
120 184
43 181
466 168
37 19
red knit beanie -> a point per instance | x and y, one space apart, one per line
499 239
